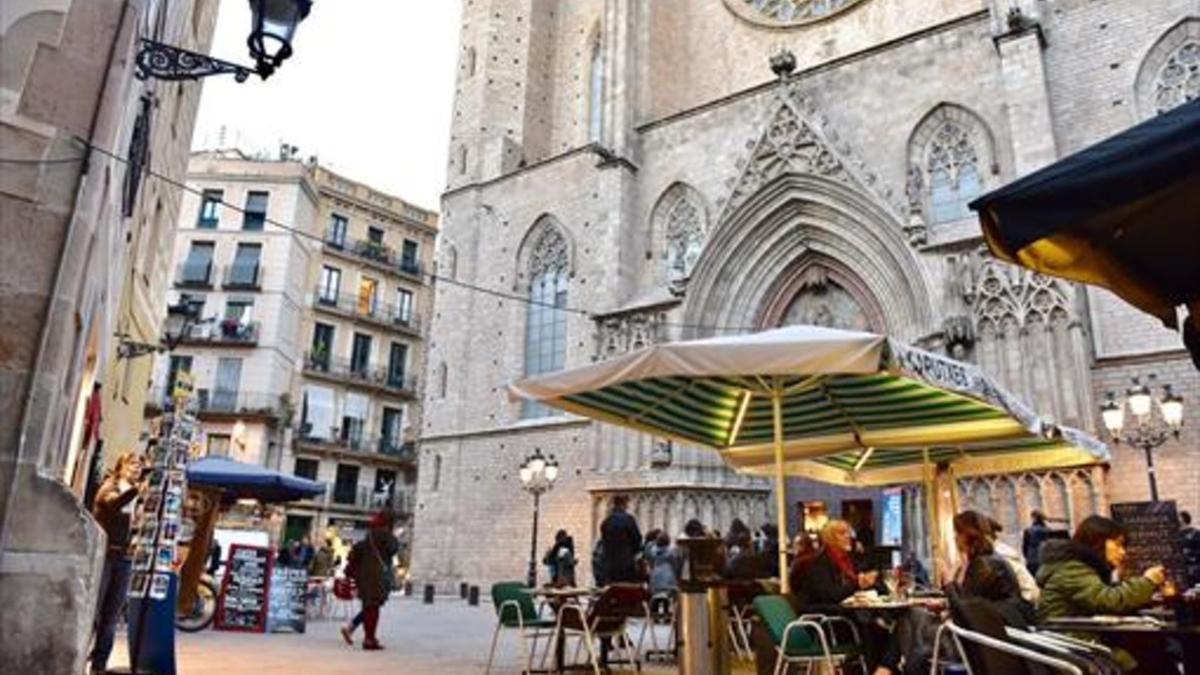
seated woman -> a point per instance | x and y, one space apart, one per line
985 574
1076 577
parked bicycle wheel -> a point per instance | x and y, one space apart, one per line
203 611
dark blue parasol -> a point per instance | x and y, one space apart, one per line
248 481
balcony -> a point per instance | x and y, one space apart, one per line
364 498
193 274
215 404
215 332
376 313
376 378
374 254
243 277
357 446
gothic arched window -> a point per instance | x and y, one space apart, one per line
685 239
548 272
595 109
950 156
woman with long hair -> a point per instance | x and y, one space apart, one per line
114 508
981 572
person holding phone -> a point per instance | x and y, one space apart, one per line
115 503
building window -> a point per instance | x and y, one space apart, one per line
375 235
437 473
462 159
385 487
197 268
354 420
210 209
684 238
306 468
360 354
368 296
404 306
546 321
470 61
1178 81
322 346
317 422
443 379
345 486
331 285
245 270
255 216
177 364
336 236
409 259
397 364
596 93
391 432
953 168
219 445
229 381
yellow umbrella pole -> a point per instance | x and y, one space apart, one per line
780 497
931 518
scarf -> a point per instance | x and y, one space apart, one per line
841 560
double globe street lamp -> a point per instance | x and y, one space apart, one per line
538 474
1149 430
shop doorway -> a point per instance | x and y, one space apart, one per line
296 528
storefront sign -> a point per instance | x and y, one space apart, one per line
242 605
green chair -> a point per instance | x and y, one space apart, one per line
515 611
802 640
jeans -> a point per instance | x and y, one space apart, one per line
114 586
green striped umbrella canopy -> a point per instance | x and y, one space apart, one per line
840 406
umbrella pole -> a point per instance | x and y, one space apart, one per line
780 497
931 519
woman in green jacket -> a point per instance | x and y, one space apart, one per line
1076 576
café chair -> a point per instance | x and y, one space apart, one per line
515 611
607 617
803 639
661 611
979 653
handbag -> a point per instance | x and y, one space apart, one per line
385 570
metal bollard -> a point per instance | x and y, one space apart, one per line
473 596
463 588
428 594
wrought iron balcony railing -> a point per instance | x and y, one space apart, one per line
367 309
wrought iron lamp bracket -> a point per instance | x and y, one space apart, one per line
165 62
129 349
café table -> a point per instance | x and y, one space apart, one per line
557 598
1139 638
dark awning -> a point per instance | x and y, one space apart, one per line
248 481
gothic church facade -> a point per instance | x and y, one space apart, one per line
624 173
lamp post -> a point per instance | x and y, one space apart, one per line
181 317
273 24
537 476
1149 430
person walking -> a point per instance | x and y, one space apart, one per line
1191 548
370 565
622 543
115 503
1031 541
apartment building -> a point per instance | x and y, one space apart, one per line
364 347
306 357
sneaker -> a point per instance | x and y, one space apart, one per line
347 635
372 646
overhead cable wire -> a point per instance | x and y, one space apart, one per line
432 277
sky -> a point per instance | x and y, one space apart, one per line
368 89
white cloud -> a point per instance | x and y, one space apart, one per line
368 90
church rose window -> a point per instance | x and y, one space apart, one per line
788 12
1179 80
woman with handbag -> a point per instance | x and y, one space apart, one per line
370 565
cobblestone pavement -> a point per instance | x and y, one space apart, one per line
447 638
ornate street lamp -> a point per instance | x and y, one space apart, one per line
273 24
1149 431
538 474
181 318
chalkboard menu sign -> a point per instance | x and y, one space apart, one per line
286 609
245 590
1152 537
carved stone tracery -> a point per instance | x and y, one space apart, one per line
548 253
1005 296
1179 79
785 13
684 239
618 334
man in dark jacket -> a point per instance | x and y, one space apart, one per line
1031 541
622 543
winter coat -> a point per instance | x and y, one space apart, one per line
622 544
370 565
665 563
826 585
1029 589
1075 582
992 578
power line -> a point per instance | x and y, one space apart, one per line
432 277
41 162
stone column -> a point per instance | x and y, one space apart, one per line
1026 93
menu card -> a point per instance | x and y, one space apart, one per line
242 605
1152 537
287 608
